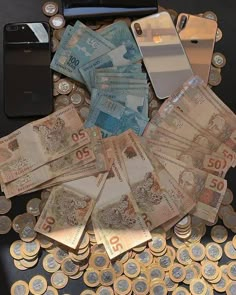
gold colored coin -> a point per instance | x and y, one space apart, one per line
165 262
69 267
198 268
210 270
91 277
140 286
231 288
59 33
38 285
214 77
18 265
57 21
20 287
131 268
64 86
209 289
177 273
191 274
5 225
15 250
84 242
31 249
214 251
219 35
45 243
77 276
219 61
170 285
210 15
184 223
84 111
228 197
198 287
144 258
32 206
99 261
197 251
183 255
227 209
158 231
176 242
155 272
107 276
217 279
56 77
158 254
51 291
28 234
50 264
50 8
118 268
196 234
59 255
180 291
158 287
28 258
5 205
231 270
88 292
29 263
219 234
104 291
170 250
122 285
59 280
158 243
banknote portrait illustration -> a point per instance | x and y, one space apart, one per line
216 124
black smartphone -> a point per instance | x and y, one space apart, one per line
27 74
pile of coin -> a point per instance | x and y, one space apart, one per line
183 228
5 221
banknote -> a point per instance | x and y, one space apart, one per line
41 141
119 80
116 215
180 124
49 171
116 57
192 157
105 76
135 102
118 34
195 99
133 68
83 46
68 209
113 118
128 86
157 194
207 189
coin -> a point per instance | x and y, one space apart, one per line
29 263
219 61
219 234
228 197
176 242
64 86
165 262
210 270
170 285
45 243
50 264
69 267
59 280
191 274
5 205
140 286
155 272
54 46
51 291
91 277
118 267
183 255
145 258
177 272
18 265
107 276
77 99
210 15
50 8
158 287
158 243
5 224
122 285
59 33
20 288
31 249
77 276
32 206
59 255
104 291
84 241
131 268
180 291
28 234
84 112
198 268
219 35
231 288
15 250
197 252
57 21
198 286
213 251
231 270
214 77
38 285
56 76
88 292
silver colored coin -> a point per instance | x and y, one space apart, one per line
77 99
155 274
107 277
219 35
84 111
5 225
189 274
197 251
50 8
177 272
218 60
64 86
214 77
59 280
32 206
209 270
214 251
233 270
59 33
122 285
5 205
92 277
100 261
165 261
158 290
131 268
28 233
61 101
57 21
144 257
199 288
56 77
69 266
105 291
141 286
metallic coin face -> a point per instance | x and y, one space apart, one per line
107 276
122 285
140 286
60 255
231 288
5 225
84 112
59 280
198 286
219 234
118 268
210 15
69 267
28 234
38 285
50 8
165 262
157 244
100 261
57 21
158 289
15 249
64 86
31 248
156 272
214 77
178 272
214 251
197 252
5 205
209 270
218 60
91 278
50 264
51 291
145 258
20 288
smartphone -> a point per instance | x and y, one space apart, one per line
198 38
163 54
27 75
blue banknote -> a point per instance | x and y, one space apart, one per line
134 68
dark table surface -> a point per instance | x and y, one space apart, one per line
30 10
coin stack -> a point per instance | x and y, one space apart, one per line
5 221
183 228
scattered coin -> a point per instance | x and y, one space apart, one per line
29 263
107 276
118 268
38 285
51 291
219 61
183 255
18 265
210 15
231 288
144 258
219 35
84 111
191 274
54 45
31 249
177 273
50 8
155 272
5 205
198 286
20 288
219 234
91 277
88 292
15 250
59 280
228 197
180 291
140 286
214 77
231 270
210 270
122 285
222 284
158 287
69 267
27 234
64 86
32 206
77 99
57 21
59 33
50 264
197 251
131 268
5 225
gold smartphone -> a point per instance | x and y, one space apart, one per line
198 38
163 54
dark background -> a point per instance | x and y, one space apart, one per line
31 10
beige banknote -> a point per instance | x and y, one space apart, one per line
157 194
192 156
207 189
40 142
116 216
68 209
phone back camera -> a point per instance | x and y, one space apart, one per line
12 28
138 29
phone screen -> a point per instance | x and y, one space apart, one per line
27 74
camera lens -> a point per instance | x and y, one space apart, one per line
183 22
138 29
12 28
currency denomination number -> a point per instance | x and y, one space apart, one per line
93 43
47 226
146 220
73 62
83 153
228 155
115 242
218 184
216 164
79 135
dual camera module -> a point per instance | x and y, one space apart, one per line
13 27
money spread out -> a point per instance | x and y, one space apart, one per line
111 199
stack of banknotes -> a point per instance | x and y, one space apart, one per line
108 63
127 184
